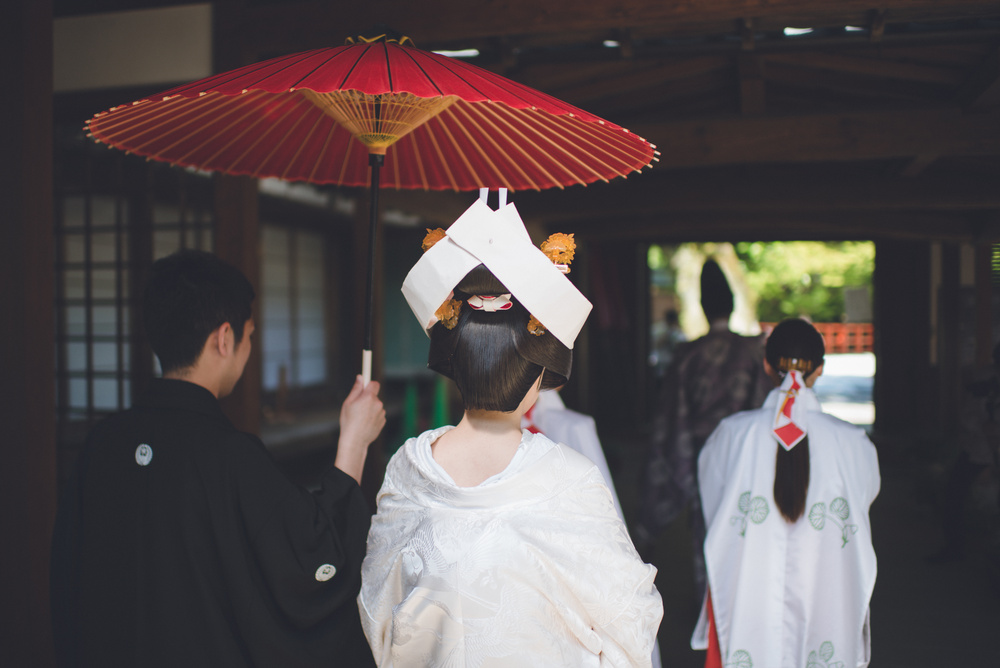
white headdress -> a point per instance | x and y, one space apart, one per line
498 240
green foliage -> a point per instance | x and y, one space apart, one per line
793 278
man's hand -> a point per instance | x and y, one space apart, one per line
362 417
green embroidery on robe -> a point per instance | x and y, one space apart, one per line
756 509
839 509
740 658
822 658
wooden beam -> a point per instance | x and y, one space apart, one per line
752 84
766 190
677 228
981 90
917 165
823 137
299 25
876 27
718 196
870 62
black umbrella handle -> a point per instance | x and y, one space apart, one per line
375 161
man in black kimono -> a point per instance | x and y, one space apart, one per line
178 542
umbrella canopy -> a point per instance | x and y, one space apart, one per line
316 116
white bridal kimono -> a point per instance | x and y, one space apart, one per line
788 595
531 568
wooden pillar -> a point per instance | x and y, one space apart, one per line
27 370
984 303
237 242
949 338
237 238
902 331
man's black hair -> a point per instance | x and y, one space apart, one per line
492 357
189 295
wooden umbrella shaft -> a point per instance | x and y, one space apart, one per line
375 161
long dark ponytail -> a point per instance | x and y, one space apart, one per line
793 345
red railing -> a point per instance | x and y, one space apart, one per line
840 337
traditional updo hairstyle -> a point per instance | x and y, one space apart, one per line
794 344
492 357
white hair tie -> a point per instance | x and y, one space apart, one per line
490 303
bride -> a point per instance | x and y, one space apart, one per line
494 546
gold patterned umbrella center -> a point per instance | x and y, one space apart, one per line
379 121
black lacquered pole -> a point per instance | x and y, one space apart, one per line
375 161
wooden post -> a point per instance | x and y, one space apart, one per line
27 368
950 344
237 242
984 303
904 404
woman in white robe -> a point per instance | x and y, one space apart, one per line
494 546
786 491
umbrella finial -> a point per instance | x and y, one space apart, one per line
380 33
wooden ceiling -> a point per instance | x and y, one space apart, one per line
883 121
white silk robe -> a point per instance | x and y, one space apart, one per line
789 595
531 568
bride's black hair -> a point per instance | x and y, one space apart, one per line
492 357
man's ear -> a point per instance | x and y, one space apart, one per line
220 341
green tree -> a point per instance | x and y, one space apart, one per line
793 278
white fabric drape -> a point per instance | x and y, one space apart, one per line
532 567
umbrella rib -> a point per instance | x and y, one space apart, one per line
347 155
388 67
288 133
603 139
239 136
144 113
566 126
245 71
261 137
166 112
322 151
423 71
298 151
483 109
207 161
498 171
320 66
419 162
441 155
350 70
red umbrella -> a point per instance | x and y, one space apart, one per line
329 116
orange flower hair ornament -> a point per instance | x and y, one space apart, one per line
560 248
432 237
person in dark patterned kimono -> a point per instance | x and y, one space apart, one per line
711 378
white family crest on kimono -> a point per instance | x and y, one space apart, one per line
788 595
533 567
